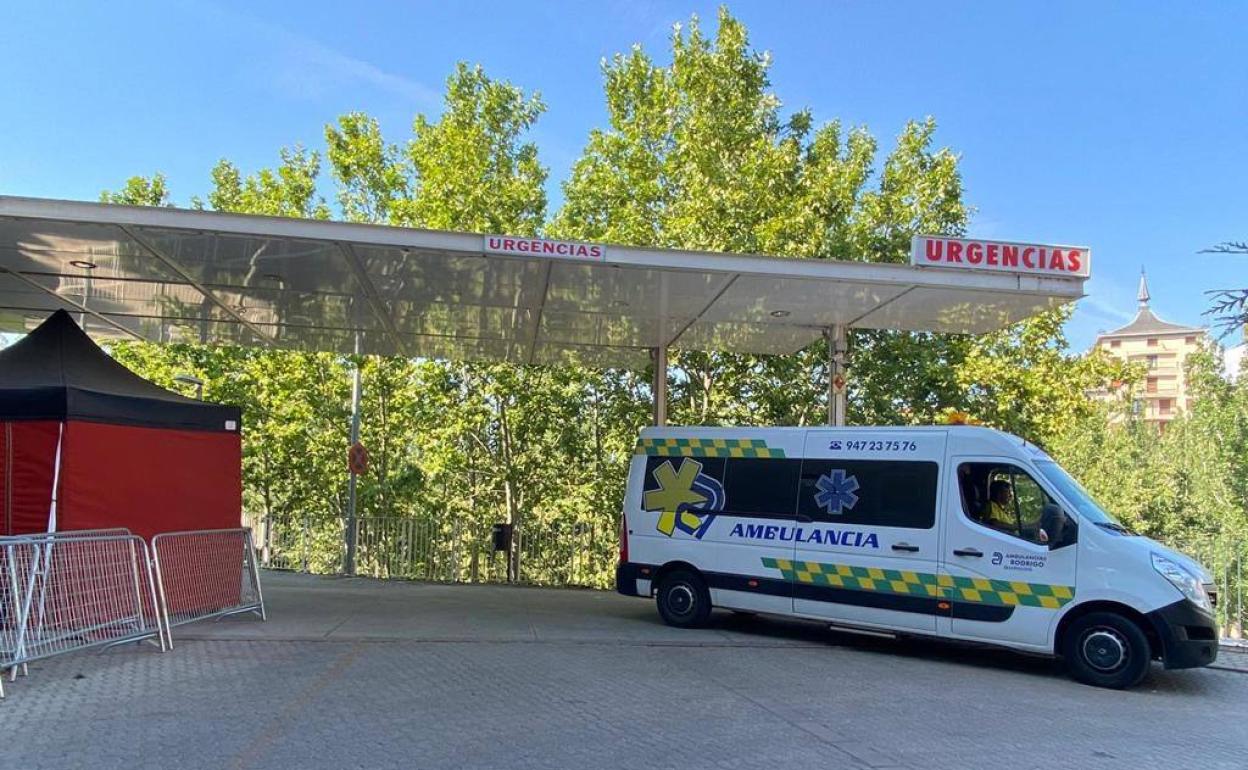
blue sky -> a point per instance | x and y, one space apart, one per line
1123 127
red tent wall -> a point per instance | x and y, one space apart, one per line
29 449
149 480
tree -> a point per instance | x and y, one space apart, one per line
493 440
294 403
697 155
287 191
1229 307
140 191
1024 380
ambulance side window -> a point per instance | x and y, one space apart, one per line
765 487
882 493
1004 497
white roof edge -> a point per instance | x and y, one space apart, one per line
471 243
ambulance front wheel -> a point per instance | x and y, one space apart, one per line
1105 649
683 599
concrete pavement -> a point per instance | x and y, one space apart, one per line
358 673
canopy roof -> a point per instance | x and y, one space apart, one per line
57 373
170 274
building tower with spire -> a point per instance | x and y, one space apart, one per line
1162 347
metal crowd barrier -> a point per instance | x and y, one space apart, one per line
206 574
65 592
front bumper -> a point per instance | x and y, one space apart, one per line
1189 635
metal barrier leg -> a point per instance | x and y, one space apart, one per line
162 610
23 616
255 577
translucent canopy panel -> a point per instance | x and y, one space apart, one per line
174 275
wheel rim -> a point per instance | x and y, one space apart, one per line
681 600
1105 649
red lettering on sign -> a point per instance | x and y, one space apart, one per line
996 255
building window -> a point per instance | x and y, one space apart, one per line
1191 340
1151 386
1152 362
1152 342
1163 406
1115 343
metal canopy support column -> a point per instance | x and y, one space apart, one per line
838 351
348 563
659 388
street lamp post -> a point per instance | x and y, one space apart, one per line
190 379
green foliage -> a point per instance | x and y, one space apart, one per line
1024 379
288 191
140 191
1186 485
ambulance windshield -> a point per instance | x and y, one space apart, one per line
1078 496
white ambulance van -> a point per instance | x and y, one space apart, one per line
958 532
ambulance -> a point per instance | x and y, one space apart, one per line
955 532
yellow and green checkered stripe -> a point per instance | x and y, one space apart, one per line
1001 593
706 447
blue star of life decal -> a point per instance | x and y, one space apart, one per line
836 492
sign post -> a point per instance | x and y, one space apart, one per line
348 559
838 353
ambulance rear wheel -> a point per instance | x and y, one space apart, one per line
683 599
1105 649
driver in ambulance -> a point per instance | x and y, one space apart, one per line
1000 511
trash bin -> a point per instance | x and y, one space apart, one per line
502 537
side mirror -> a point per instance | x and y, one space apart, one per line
1059 526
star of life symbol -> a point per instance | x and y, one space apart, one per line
836 492
686 498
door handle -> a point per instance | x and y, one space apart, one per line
967 552
905 547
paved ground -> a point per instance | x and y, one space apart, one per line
360 674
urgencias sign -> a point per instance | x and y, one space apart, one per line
541 247
1003 256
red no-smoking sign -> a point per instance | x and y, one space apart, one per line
357 459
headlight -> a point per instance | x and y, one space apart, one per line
1188 584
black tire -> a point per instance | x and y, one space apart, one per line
1105 649
683 600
